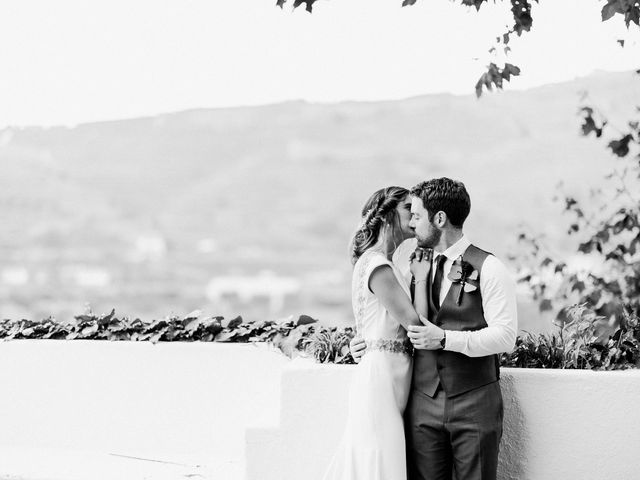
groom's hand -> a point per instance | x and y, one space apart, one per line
357 346
427 336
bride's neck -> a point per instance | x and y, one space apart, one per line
386 245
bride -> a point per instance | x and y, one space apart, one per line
373 444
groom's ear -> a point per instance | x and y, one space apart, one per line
440 219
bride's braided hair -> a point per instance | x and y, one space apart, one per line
380 207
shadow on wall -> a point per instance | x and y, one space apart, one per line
513 448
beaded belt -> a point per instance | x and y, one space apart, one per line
394 346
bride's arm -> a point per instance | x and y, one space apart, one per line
420 269
420 298
385 286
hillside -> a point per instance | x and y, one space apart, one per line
141 214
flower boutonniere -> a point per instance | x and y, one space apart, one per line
463 273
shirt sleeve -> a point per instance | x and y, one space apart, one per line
498 291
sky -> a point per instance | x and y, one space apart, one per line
73 61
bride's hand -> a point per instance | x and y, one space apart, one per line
421 263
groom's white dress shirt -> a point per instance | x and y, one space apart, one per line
498 291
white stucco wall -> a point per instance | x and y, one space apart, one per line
249 412
176 402
558 424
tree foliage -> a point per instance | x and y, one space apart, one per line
607 229
522 16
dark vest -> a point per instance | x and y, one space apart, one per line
456 372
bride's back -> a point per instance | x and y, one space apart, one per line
373 321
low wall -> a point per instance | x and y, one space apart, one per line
250 413
66 401
558 424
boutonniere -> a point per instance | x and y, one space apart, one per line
463 273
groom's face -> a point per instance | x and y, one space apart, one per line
427 234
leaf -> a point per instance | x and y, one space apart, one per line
83 319
56 332
224 336
406 3
632 15
585 247
90 330
193 315
231 324
579 286
305 320
156 337
479 84
512 69
559 267
290 343
473 3
27 332
173 334
603 235
545 305
494 76
621 147
280 3
589 126
105 319
309 4
610 9
521 10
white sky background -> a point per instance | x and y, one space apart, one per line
73 61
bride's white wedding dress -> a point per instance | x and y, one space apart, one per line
373 444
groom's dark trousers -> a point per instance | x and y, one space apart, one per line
453 421
454 437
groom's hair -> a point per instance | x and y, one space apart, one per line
446 195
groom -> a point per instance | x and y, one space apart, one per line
453 420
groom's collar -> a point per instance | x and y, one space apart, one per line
457 249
